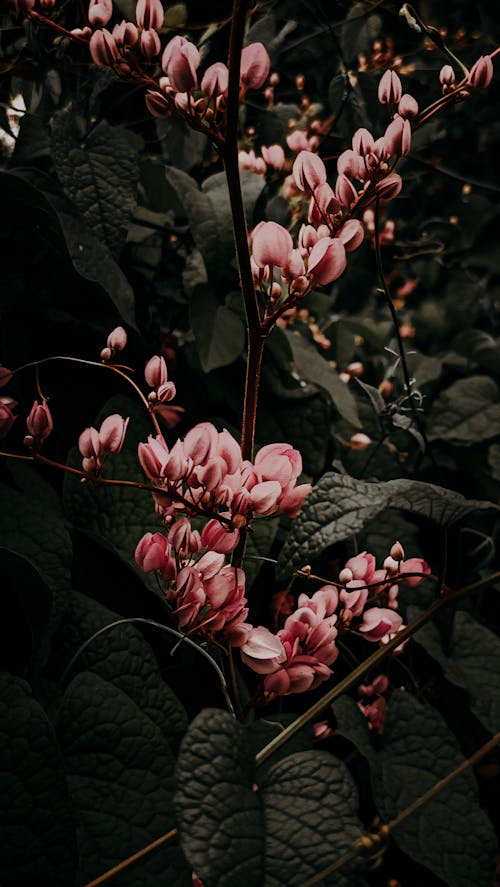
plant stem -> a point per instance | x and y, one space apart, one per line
230 157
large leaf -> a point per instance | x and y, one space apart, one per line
209 214
340 506
311 366
119 516
467 412
99 173
119 726
32 525
53 214
26 602
278 831
219 332
450 834
37 832
472 661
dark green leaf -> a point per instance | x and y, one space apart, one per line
311 366
52 213
37 832
259 541
239 829
28 598
472 661
303 423
99 172
120 776
218 331
450 834
32 525
340 506
467 412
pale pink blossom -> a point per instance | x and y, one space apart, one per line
308 171
389 187
217 537
389 88
103 48
150 44
414 565
379 622
447 76
263 651
271 244
254 66
408 106
100 12
153 554
397 137
481 73
182 67
327 261
125 34
274 156
149 14
215 80
39 422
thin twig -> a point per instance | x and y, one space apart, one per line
131 859
183 639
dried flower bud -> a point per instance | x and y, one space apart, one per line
39 422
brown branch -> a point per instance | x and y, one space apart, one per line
131 859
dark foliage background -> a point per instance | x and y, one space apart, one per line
112 217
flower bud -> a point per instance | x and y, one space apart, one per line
149 14
447 76
125 34
100 12
397 137
254 66
308 171
150 44
39 422
327 261
215 79
112 433
345 191
271 244
351 234
274 156
408 106
389 88
346 575
117 339
481 73
103 48
397 551
389 187
362 142
155 371
182 67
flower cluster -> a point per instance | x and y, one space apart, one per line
298 656
205 472
202 99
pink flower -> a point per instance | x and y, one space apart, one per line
271 244
351 235
117 339
397 137
100 12
157 104
153 554
362 142
262 651
389 187
150 44
414 565
363 566
389 88
379 622
182 66
149 14
112 433
481 73
279 462
155 371
103 48
217 537
408 106
201 442
7 417
125 35
360 441
308 171
354 598
183 538
274 156
447 76
292 499
254 66
215 79
39 422
345 191
327 261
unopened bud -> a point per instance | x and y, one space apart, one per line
345 575
397 551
